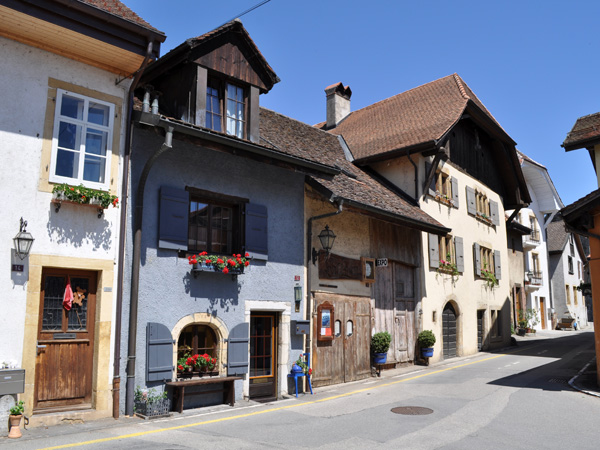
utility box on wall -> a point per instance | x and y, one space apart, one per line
12 381
301 327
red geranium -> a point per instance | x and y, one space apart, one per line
225 270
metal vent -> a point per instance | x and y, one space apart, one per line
412 410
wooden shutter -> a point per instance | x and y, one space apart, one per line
460 255
173 222
237 351
494 213
497 268
477 259
431 188
434 251
257 243
471 207
454 184
159 352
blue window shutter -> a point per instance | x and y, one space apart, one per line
257 244
159 352
237 351
173 223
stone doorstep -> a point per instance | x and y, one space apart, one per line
65 417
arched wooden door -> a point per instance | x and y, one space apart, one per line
449 331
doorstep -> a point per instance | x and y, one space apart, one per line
72 416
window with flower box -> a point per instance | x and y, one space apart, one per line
82 140
480 206
194 220
446 253
487 263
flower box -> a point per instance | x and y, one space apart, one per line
233 265
80 195
153 410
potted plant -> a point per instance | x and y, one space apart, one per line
16 414
300 366
426 340
380 344
150 404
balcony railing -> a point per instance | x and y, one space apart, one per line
534 236
534 278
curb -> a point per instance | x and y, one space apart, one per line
580 373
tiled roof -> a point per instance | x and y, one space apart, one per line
556 234
353 184
117 8
590 201
586 128
418 116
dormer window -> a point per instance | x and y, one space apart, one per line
234 119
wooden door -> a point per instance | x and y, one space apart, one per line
347 356
543 312
64 362
480 313
263 356
449 331
395 309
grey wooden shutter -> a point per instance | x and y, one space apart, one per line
494 213
237 351
477 259
471 207
497 268
460 254
257 242
454 184
173 223
431 188
434 251
159 352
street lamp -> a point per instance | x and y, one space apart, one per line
23 241
326 236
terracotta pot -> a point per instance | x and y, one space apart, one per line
15 426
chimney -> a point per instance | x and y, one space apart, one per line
338 104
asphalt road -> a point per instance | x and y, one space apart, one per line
516 399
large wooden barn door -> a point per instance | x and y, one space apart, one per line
395 309
347 356
64 362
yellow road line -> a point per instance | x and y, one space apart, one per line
255 413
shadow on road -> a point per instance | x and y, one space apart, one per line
571 352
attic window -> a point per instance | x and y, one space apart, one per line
226 108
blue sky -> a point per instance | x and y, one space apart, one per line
534 64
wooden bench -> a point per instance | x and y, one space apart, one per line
566 323
228 389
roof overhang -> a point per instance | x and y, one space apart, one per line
377 213
579 216
220 142
79 31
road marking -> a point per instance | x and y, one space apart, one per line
280 408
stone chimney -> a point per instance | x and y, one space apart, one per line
338 104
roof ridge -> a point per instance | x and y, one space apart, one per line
461 87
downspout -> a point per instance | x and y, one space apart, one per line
123 230
309 256
135 270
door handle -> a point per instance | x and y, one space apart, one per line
39 348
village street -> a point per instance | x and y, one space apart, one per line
506 399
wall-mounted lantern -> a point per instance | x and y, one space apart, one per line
327 237
297 296
23 241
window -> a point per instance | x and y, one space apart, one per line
575 295
447 250
214 223
442 185
487 263
568 294
482 204
487 259
226 108
197 339
446 253
82 140
571 246
570 264
535 233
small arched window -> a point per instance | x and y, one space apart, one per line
197 339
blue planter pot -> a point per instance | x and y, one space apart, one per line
379 358
297 369
427 352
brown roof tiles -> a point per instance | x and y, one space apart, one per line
117 8
586 131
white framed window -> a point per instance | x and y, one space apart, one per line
82 140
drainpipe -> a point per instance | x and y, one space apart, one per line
309 255
135 270
416 196
123 230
